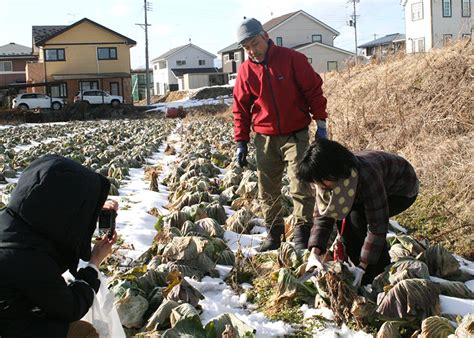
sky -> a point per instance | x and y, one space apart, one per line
209 24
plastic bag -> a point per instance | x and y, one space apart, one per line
103 314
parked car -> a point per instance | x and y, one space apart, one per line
98 97
36 100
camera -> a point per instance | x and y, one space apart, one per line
107 222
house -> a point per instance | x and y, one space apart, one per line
185 67
434 23
299 31
13 59
139 83
81 56
385 45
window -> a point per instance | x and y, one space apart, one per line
279 41
446 8
108 53
466 8
310 60
59 90
237 56
162 64
332 65
114 88
316 38
54 54
226 58
180 62
6 66
155 67
447 38
202 62
419 45
417 11
28 96
87 85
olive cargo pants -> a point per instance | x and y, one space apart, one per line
273 154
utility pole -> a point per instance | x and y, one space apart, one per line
146 7
353 23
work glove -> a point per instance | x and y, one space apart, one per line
321 130
357 272
241 154
314 263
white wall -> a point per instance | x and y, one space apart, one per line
160 79
433 26
299 30
417 29
320 56
191 55
192 81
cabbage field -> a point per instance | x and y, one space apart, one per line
189 222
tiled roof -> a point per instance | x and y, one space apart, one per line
171 51
302 45
276 21
13 49
177 49
234 46
385 40
181 71
42 32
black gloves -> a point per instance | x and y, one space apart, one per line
241 154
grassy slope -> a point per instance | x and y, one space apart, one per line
419 106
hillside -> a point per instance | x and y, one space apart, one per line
419 106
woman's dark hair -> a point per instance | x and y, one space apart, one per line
326 160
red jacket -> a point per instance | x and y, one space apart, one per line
277 97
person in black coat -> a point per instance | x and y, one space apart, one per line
44 231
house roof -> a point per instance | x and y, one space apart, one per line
309 44
385 40
229 48
276 22
178 49
181 71
41 34
13 49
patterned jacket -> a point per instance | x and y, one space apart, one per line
381 174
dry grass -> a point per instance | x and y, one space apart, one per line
419 106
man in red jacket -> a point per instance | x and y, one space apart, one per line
277 94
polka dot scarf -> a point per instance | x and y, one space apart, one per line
337 202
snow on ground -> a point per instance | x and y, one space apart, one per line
136 227
187 103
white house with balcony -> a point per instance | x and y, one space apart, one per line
183 67
434 23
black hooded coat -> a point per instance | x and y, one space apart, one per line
46 228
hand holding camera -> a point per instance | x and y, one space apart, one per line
103 247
